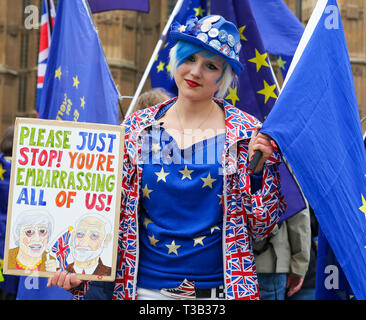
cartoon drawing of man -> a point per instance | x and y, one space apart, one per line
91 235
32 231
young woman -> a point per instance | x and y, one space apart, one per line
189 207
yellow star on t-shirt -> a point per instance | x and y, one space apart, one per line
160 66
363 207
268 91
161 175
259 60
76 82
58 73
241 30
233 96
281 63
220 196
153 241
173 247
208 181
198 240
186 173
2 171
146 192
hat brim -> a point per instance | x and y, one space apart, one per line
236 65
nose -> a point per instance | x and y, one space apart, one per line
196 70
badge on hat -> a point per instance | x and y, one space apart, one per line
214 33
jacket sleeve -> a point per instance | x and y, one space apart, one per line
267 204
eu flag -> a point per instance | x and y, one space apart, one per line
316 124
257 91
35 288
279 28
78 85
331 282
159 74
106 5
8 283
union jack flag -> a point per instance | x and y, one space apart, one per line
47 22
61 248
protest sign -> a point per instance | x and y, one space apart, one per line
64 199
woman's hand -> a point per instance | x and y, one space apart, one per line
64 280
263 143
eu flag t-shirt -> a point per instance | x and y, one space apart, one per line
181 212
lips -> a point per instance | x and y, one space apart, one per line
192 83
35 247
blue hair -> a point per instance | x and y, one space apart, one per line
184 49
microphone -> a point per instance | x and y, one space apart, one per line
254 162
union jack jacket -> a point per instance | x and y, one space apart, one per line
246 217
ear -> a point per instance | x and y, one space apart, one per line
108 238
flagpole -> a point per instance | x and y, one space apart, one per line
49 16
152 59
274 75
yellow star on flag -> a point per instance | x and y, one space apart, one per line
233 96
213 228
173 247
153 241
186 173
58 73
76 82
281 63
198 240
208 181
161 175
241 30
160 67
82 102
363 207
268 91
1 268
147 221
146 192
2 171
168 67
199 11
259 60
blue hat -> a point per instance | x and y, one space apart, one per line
213 33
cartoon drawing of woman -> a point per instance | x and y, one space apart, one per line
32 231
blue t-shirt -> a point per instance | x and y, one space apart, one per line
181 214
